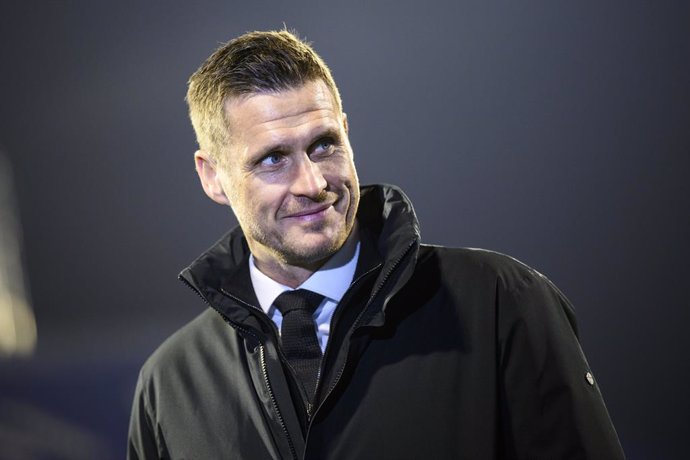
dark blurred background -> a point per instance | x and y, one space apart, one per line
557 132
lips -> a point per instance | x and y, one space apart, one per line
313 211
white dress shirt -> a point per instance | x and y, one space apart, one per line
331 281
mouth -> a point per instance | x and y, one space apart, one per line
311 213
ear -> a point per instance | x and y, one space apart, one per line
209 175
347 127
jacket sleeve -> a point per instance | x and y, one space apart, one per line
551 406
142 442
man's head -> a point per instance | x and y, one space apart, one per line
274 146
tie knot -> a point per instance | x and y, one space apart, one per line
299 299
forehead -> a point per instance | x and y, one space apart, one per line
258 117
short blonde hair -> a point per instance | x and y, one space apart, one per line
251 63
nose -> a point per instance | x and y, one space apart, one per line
308 180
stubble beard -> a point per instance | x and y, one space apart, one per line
287 250
296 250
274 245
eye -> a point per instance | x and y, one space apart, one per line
324 145
271 159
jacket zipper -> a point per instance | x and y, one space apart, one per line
356 324
264 370
328 345
262 359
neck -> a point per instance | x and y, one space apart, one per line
283 273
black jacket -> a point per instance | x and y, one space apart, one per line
434 353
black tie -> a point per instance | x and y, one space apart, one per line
298 335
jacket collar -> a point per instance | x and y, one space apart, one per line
221 274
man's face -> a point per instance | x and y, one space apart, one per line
289 175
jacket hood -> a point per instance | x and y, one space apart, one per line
222 272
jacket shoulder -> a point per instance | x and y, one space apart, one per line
482 264
178 349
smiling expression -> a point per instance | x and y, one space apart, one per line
289 175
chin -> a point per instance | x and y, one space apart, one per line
312 254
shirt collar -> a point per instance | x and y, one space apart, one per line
331 280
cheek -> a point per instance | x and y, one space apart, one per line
341 172
351 180
265 198
243 203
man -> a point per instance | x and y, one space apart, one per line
332 332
